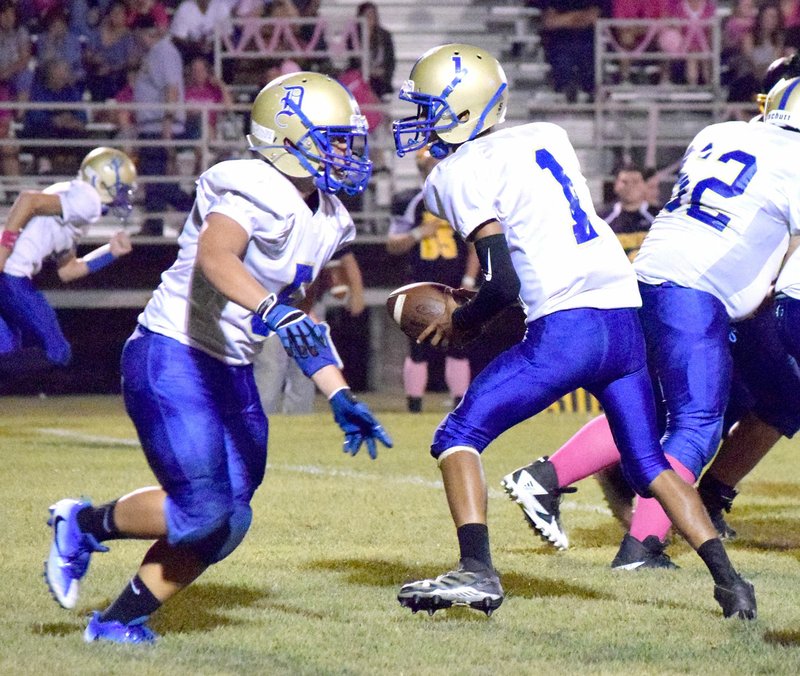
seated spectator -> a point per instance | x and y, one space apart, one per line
739 25
691 37
59 43
194 24
154 9
380 53
55 84
568 41
33 12
110 53
15 78
630 216
202 87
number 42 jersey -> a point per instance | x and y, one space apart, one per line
726 228
528 178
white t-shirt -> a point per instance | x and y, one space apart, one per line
288 247
726 229
189 23
46 236
528 178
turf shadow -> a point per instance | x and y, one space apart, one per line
53 629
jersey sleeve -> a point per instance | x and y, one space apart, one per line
243 211
461 193
80 204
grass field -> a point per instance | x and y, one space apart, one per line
312 589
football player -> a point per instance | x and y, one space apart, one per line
259 232
519 195
48 224
436 254
709 260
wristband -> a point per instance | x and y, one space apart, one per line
99 258
416 233
8 239
266 304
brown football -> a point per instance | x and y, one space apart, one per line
414 306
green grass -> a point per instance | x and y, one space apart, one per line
312 589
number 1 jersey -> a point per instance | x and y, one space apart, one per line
726 228
528 178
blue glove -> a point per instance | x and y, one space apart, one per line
305 341
358 424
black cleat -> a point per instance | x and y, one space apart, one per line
480 590
739 600
717 497
633 554
535 489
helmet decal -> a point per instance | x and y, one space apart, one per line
292 102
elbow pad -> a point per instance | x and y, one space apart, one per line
500 287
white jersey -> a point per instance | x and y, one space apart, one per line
726 229
288 247
528 179
52 236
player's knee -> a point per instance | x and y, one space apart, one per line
225 539
453 432
693 440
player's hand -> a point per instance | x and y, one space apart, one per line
357 423
300 335
120 244
439 332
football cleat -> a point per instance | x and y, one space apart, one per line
717 497
70 552
116 632
480 590
633 554
535 489
739 600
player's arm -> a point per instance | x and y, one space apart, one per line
472 268
28 204
70 267
500 288
355 283
220 249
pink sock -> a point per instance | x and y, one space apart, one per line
649 517
456 375
415 377
591 449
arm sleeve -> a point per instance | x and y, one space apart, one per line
499 289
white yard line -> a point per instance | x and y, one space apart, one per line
311 469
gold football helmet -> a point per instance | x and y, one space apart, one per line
112 174
781 68
782 107
308 124
460 91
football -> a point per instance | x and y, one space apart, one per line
414 306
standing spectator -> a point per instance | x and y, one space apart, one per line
767 41
790 11
15 78
568 41
690 37
48 224
630 216
380 52
110 53
436 253
195 23
631 38
159 80
203 87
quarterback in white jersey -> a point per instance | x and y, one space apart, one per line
48 224
259 232
520 197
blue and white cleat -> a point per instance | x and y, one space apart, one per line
70 552
116 632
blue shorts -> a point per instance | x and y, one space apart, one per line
766 379
600 350
787 312
202 429
26 318
687 343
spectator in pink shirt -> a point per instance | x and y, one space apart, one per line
691 37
